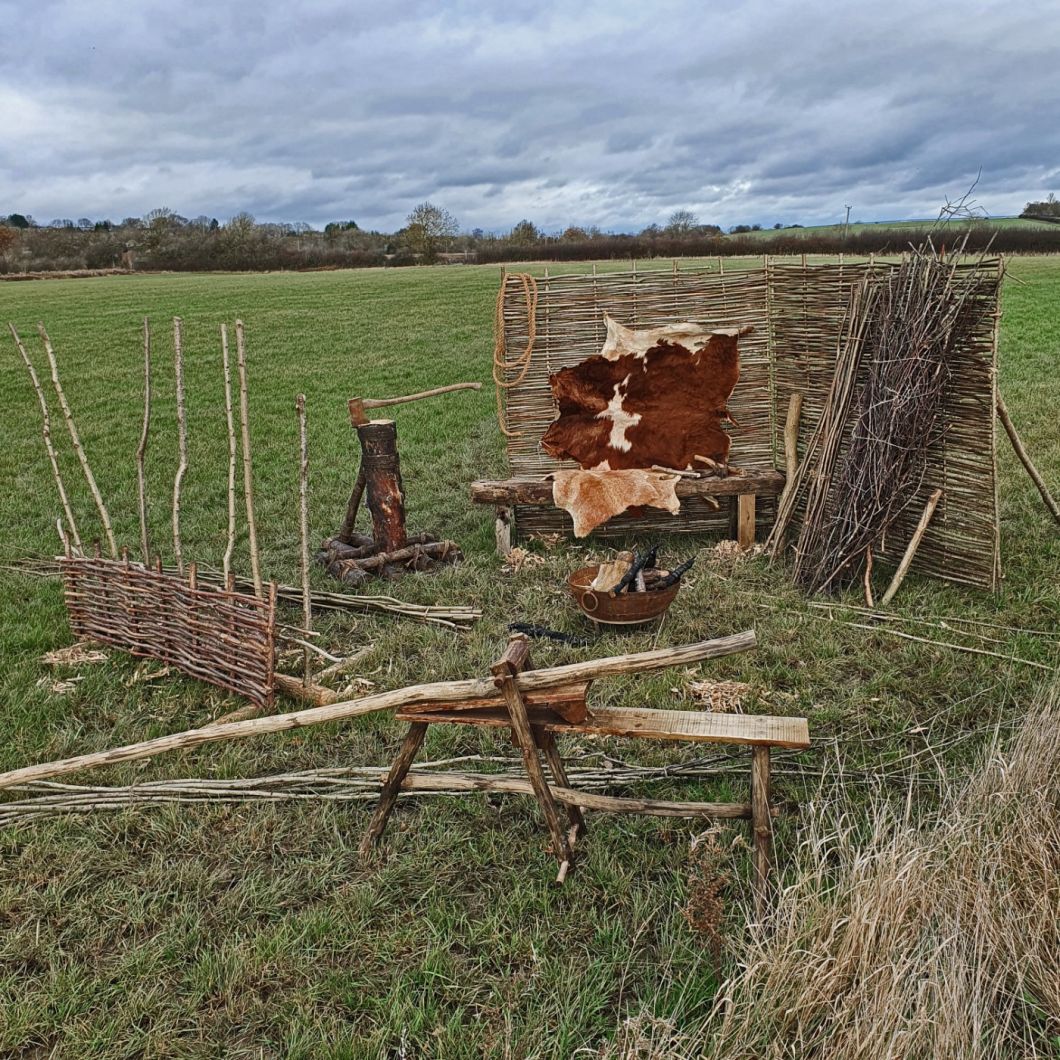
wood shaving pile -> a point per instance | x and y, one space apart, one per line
518 558
75 655
720 697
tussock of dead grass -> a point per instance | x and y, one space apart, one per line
895 942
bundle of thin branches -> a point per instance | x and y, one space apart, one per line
884 413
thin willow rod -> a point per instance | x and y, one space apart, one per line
141 449
75 438
248 472
182 440
230 544
47 431
303 531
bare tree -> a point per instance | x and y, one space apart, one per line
681 222
428 228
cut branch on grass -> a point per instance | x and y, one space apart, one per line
437 692
75 438
46 428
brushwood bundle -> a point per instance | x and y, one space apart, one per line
884 413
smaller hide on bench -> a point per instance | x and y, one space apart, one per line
651 397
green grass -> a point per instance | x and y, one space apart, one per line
250 931
921 225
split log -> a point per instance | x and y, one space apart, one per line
437 692
346 532
382 475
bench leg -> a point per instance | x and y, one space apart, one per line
503 531
547 743
745 520
762 823
392 785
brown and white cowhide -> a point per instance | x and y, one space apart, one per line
655 396
593 497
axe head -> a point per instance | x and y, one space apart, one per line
357 416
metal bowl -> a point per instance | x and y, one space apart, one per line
625 609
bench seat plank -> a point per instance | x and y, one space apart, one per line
693 725
537 493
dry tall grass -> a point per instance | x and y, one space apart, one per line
898 942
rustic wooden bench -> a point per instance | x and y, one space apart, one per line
505 494
536 718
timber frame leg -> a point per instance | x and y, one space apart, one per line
504 670
547 742
762 826
392 785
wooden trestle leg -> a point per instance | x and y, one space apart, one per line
547 742
503 672
392 785
762 825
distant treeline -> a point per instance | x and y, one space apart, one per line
164 241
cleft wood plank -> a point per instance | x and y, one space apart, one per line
692 725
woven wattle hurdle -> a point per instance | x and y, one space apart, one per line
797 311
570 327
227 639
809 305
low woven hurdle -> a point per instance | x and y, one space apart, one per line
537 715
225 638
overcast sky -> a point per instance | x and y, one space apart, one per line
611 113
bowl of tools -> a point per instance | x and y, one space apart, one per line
627 591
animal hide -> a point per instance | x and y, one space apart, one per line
655 396
593 497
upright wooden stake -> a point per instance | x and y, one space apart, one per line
303 526
76 439
248 473
141 449
182 440
791 436
46 427
762 823
910 549
1025 460
226 561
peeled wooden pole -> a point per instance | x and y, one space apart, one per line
910 549
1024 458
437 692
79 449
303 527
141 449
248 472
182 440
46 427
226 561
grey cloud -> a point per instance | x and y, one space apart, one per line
608 112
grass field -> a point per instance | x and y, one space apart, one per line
255 930
856 227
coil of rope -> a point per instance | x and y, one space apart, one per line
508 374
